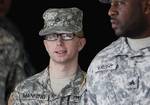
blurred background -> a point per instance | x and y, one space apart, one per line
27 15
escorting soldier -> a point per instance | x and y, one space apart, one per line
120 73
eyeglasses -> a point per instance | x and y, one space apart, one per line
63 36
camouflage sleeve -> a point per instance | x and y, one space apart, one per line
14 62
90 94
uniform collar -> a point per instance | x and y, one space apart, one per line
74 88
125 49
76 85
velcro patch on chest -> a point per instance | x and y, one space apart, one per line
109 66
34 96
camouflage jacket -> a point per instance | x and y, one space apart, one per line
37 91
11 65
119 76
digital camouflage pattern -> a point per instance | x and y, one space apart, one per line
62 20
11 65
37 91
9 26
119 76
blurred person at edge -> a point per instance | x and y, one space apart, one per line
14 63
62 82
120 73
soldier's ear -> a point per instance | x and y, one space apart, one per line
45 44
82 43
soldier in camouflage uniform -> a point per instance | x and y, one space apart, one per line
120 73
62 82
8 25
11 65
14 65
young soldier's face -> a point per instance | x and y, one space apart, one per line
61 51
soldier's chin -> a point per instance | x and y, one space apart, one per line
118 33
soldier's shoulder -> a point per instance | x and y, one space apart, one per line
112 47
109 51
106 56
29 84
